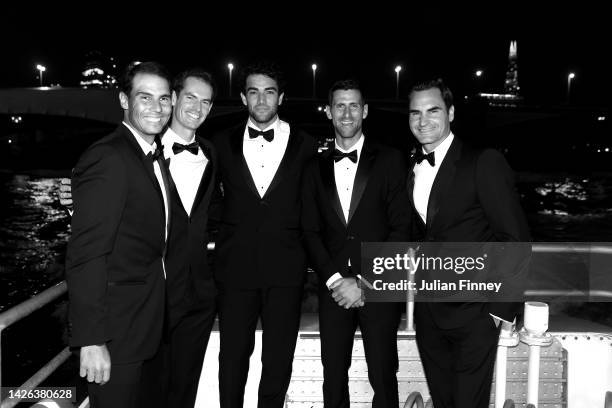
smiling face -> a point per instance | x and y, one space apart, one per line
191 106
347 112
429 118
149 105
262 99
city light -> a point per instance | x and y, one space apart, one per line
41 69
570 76
314 81
397 72
230 68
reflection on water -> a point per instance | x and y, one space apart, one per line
33 233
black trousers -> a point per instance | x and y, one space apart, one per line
378 323
121 391
171 378
279 309
458 362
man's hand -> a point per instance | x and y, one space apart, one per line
65 194
95 364
347 293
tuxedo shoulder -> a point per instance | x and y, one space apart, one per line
222 136
489 156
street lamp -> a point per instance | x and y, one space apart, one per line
230 67
397 71
314 81
570 76
41 69
478 75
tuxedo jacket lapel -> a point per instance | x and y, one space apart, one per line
326 167
146 162
410 188
236 143
442 183
293 145
368 155
205 182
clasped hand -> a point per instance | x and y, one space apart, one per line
347 293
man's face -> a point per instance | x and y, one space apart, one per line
192 104
261 99
429 118
149 105
347 112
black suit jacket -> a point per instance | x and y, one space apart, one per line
259 240
114 258
379 209
187 265
473 199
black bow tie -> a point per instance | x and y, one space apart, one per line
352 156
268 134
419 156
191 148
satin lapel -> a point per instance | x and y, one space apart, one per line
144 160
236 143
326 167
442 182
368 155
410 185
173 190
293 145
204 185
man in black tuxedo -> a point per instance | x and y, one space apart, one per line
260 262
352 194
190 288
459 194
115 257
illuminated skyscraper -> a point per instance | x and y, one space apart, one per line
511 86
511 96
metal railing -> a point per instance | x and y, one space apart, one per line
21 311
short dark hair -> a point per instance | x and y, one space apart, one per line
179 80
345 85
438 83
135 68
267 68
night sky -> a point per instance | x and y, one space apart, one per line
366 44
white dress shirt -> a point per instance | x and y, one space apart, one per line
425 174
150 148
186 168
344 174
262 157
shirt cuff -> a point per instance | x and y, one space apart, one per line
333 278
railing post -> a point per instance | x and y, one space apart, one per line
508 338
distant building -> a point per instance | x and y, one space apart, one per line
99 71
511 96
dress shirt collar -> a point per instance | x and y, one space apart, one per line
357 146
274 125
440 150
146 147
171 137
